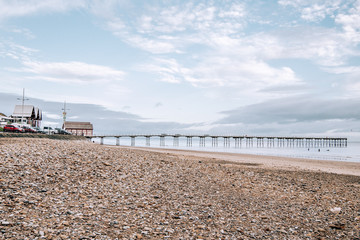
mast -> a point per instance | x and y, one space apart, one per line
23 99
64 114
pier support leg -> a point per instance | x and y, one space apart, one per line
176 141
117 141
132 141
101 141
147 141
202 142
189 141
237 142
226 142
162 141
214 141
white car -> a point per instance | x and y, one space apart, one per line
49 130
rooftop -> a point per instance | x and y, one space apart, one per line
78 125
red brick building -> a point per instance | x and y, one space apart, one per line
79 128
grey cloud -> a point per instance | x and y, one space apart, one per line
287 116
105 121
299 109
323 128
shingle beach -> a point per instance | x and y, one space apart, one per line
57 189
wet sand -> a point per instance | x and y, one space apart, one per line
269 162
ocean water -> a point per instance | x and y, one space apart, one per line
351 153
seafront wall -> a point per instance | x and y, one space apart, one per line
37 135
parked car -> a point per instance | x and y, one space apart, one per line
61 131
13 128
39 130
49 130
28 129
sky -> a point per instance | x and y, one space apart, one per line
285 67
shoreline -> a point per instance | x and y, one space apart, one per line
262 161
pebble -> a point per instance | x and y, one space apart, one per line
57 189
335 210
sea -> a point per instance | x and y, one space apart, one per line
351 153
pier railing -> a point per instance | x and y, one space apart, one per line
238 141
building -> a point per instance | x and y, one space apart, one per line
2 116
28 114
79 128
3 120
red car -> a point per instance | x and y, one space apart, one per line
13 128
29 129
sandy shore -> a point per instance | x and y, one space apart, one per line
270 162
56 189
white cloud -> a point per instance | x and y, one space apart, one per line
157 46
235 11
172 29
344 70
323 46
318 12
351 23
247 75
314 10
15 51
168 69
344 12
350 79
72 72
25 32
190 17
52 116
175 28
26 7
354 88
49 123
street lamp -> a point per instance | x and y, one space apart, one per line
23 99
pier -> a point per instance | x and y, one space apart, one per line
235 141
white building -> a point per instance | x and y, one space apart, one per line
3 120
28 114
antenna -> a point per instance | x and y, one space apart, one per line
64 113
23 99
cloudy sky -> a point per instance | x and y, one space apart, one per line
286 67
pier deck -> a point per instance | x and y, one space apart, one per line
239 141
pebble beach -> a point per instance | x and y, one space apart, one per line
58 189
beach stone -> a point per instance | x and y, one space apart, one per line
335 210
54 189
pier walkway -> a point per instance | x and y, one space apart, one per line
238 141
